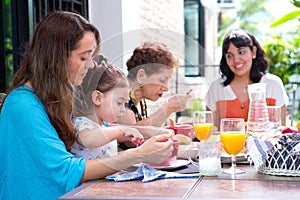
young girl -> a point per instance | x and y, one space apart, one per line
104 92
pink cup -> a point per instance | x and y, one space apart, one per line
171 159
184 129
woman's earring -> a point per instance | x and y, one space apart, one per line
141 88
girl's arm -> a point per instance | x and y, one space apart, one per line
100 136
156 149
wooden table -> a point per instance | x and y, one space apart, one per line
250 185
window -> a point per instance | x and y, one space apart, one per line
17 20
194 42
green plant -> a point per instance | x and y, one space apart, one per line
289 16
282 56
197 105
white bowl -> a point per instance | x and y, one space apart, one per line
183 151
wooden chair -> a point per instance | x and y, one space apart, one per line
2 95
290 108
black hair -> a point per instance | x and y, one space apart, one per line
241 38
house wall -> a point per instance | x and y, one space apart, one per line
124 25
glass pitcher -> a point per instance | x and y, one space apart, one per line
258 119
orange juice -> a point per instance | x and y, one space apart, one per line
203 131
233 142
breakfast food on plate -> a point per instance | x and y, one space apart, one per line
182 139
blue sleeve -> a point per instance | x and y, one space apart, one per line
41 165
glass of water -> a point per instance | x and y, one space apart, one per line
274 113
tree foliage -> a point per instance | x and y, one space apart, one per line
247 17
294 15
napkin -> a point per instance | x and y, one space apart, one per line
258 150
146 173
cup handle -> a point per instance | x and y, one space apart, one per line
189 155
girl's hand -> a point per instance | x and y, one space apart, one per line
132 134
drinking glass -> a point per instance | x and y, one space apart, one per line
203 124
274 113
233 138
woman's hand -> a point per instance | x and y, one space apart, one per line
177 103
157 148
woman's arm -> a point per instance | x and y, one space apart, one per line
156 149
176 103
150 131
283 115
127 117
216 117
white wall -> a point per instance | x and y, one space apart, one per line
124 25
107 16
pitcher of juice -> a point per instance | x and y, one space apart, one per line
258 120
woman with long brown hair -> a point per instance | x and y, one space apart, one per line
36 127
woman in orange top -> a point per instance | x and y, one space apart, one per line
243 62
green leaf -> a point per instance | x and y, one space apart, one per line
296 3
287 17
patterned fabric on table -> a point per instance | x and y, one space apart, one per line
282 150
146 173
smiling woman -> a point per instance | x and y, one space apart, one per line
243 62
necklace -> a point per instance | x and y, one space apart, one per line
243 106
241 94
132 106
144 113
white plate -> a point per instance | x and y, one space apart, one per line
176 164
225 155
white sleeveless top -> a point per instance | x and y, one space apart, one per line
108 150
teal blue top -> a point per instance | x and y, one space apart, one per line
34 162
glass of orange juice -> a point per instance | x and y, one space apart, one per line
203 124
233 138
